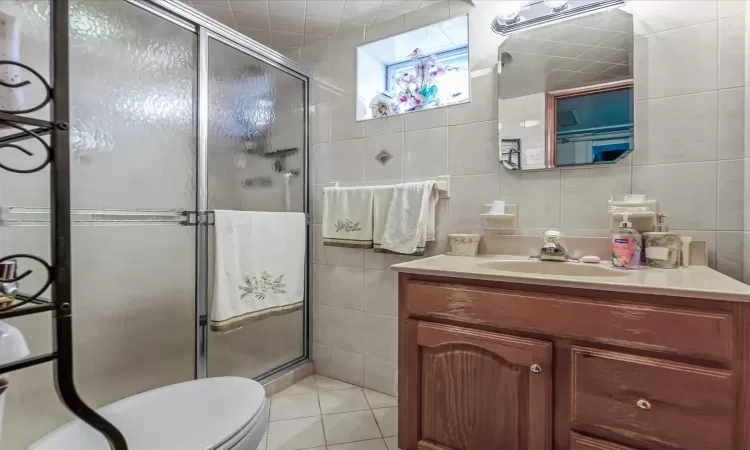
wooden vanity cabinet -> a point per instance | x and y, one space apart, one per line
495 366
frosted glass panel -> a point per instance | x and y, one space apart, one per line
255 163
133 85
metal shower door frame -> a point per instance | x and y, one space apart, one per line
208 28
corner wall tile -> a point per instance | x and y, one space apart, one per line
320 162
322 284
653 17
483 104
393 169
381 292
483 42
343 120
346 160
686 192
320 118
732 123
537 195
730 246
385 125
746 259
322 358
731 199
585 194
746 190
348 288
732 52
381 337
473 149
345 330
426 153
347 366
729 8
665 62
380 375
676 129
428 118
468 196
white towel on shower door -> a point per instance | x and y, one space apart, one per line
259 266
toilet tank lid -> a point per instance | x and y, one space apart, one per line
194 415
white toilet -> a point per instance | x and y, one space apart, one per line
225 413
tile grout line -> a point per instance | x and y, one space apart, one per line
317 394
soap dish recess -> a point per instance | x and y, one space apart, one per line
500 222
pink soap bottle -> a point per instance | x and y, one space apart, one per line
626 246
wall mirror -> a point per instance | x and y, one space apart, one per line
420 69
565 93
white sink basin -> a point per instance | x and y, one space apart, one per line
554 268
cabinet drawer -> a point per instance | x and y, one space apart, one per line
698 334
655 403
580 442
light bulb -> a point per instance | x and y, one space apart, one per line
556 5
510 10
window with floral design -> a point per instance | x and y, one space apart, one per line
421 69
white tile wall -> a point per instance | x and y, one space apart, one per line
690 149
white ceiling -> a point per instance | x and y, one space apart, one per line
286 25
441 36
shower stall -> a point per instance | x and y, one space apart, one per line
173 115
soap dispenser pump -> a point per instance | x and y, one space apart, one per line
626 246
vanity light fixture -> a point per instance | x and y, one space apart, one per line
544 12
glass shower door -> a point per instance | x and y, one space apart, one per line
133 147
256 147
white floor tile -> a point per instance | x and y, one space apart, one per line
375 444
329 384
294 406
350 427
387 420
391 442
296 434
306 386
378 400
344 400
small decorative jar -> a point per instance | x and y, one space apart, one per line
464 244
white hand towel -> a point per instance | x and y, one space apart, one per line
347 217
408 224
260 266
381 202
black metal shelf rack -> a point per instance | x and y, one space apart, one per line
58 271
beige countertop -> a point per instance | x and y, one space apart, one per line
694 281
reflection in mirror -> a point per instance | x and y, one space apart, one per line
420 69
565 93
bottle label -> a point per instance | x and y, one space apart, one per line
657 253
623 252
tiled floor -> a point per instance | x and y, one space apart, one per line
320 413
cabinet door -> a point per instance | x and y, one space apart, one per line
464 389
580 442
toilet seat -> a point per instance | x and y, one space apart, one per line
207 414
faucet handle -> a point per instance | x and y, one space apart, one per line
552 236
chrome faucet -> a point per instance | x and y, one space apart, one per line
553 250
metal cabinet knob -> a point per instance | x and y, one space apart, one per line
536 368
643 404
